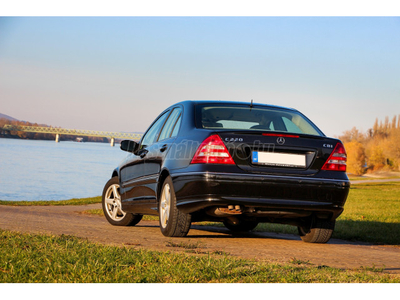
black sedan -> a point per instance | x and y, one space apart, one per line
231 162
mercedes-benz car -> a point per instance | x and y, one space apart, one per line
232 162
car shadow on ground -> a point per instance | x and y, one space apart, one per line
349 228
350 231
227 234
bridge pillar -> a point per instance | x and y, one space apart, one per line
57 138
112 142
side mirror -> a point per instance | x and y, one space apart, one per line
129 146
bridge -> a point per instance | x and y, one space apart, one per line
59 131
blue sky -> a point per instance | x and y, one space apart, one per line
119 73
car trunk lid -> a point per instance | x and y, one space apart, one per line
278 153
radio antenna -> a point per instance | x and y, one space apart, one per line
251 104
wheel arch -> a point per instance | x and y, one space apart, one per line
164 174
115 172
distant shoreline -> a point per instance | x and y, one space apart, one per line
13 137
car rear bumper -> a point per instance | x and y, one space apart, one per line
264 194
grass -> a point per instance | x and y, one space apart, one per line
26 258
99 212
185 245
371 214
356 178
79 201
375 175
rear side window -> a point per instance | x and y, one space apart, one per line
152 133
169 125
177 125
257 119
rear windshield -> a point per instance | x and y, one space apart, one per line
257 119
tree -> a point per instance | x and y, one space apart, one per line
352 135
394 122
376 127
398 122
391 149
387 125
355 157
376 157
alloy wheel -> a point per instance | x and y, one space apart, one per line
113 203
165 205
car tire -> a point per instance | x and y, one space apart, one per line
241 226
111 203
173 223
319 232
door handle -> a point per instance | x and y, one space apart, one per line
143 153
163 148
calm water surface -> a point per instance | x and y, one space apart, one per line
46 170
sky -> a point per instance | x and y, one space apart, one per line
119 73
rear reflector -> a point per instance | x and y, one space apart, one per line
212 151
337 159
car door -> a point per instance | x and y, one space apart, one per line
159 149
133 175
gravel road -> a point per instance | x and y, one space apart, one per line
264 246
374 180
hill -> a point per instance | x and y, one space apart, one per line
3 116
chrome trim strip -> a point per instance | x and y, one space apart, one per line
207 174
143 178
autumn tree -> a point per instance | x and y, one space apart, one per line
394 122
391 149
376 158
352 135
381 145
355 157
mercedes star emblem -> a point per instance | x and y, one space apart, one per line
280 140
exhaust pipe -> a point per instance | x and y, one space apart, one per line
225 211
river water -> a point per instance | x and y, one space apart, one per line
46 170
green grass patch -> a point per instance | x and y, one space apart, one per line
96 212
357 178
79 201
99 212
26 258
185 245
371 214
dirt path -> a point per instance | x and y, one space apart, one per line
264 246
374 180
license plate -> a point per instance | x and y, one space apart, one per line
279 159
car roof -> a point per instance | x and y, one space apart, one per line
225 102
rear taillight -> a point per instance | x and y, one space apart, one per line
337 159
212 151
